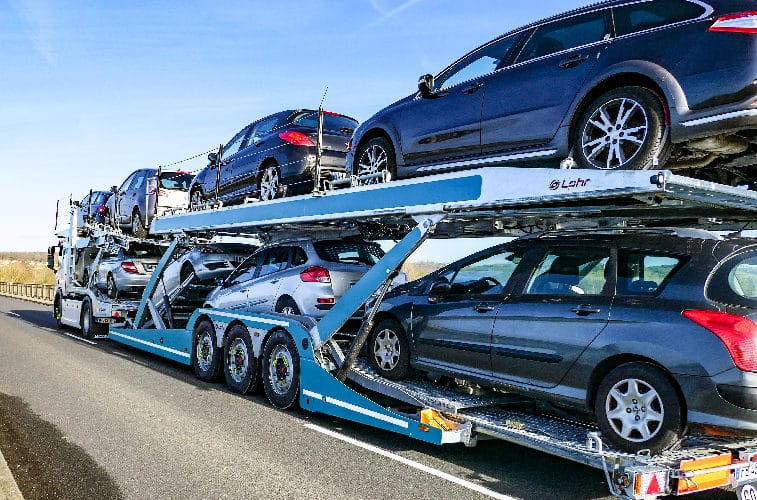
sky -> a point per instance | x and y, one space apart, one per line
92 90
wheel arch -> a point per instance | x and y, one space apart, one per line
606 366
374 132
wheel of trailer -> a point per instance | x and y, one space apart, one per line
638 408
270 182
389 350
241 367
621 129
376 156
58 310
281 370
206 356
186 271
137 227
287 305
89 328
111 288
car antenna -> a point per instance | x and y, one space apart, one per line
317 189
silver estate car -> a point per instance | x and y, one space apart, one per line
296 277
128 271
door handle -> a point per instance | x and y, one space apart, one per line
273 282
573 61
473 88
483 307
585 310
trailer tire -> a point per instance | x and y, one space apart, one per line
638 408
241 367
206 356
281 370
89 328
389 350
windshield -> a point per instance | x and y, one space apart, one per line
175 180
331 121
349 252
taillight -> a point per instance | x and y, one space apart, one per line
296 138
152 185
743 22
129 267
739 334
315 274
326 300
102 209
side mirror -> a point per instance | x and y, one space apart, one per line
220 281
213 157
114 189
438 289
51 258
426 85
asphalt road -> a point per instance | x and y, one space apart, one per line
80 419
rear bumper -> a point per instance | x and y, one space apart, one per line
715 121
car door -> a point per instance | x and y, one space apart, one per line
233 292
447 123
527 101
121 192
452 323
539 333
254 151
261 294
229 181
131 196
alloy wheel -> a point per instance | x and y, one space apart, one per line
269 183
615 133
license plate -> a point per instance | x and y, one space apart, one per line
748 472
105 320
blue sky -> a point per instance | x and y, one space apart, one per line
91 91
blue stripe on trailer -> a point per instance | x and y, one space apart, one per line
336 204
171 344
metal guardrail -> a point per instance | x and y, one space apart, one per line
31 291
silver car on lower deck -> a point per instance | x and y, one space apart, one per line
128 271
296 277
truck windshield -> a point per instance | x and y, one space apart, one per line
175 180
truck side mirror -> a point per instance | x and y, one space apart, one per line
426 85
51 258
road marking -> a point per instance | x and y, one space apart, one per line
416 465
77 338
13 314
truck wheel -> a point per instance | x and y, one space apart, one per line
281 370
89 328
637 408
389 350
206 357
111 287
241 367
621 129
137 227
58 311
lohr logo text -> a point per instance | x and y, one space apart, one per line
568 184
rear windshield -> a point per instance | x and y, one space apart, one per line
175 180
140 250
349 252
99 198
735 282
331 122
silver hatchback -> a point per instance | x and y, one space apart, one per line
128 271
297 277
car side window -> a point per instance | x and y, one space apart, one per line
299 257
648 15
570 271
233 146
275 259
565 34
246 270
126 183
641 273
483 61
487 276
138 182
261 129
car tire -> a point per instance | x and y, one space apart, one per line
137 227
206 356
89 328
281 370
58 311
631 135
269 186
111 287
287 305
375 156
186 271
638 408
241 367
389 350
